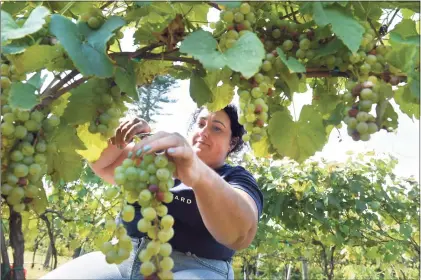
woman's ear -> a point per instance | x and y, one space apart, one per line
233 143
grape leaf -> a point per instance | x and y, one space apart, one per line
11 30
23 96
386 115
402 57
292 63
330 48
365 10
288 82
406 13
346 28
59 105
414 84
13 7
405 29
36 80
297 140
261 148
82 106
199 90
143 3
125 76
406 230
336 115
36 57
202 46
180 72
221 97
197 11
14 48
325 103
93 142
137 14
65 164
245 56
85 46
144 35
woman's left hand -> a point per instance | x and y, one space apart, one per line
177 150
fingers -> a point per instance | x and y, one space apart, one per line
128 129
146 143
119 134
181 152
163 141
141 127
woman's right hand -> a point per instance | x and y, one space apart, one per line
128 129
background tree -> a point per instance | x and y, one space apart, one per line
152 97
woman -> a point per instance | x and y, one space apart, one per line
216 206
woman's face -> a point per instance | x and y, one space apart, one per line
211 137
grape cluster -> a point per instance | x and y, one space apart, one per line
360 99
146 180
236 22
253 107
24 156
110 111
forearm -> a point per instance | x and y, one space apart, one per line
227 215
108 156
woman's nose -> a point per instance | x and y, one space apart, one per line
203 132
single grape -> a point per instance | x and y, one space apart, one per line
245 8
372 128
167 221
228 16
149 213
111 193
143 225
362 127
165 249
128 213
94 22
147 268
166 263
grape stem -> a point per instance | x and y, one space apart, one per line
377 33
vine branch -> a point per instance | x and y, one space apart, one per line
375 30
393 17
214 5
51 236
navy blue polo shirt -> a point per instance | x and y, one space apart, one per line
190 233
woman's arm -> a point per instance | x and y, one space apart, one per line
230 214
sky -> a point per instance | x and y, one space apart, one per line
404 144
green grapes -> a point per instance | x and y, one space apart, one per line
111 109
146 180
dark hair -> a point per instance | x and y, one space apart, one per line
237 130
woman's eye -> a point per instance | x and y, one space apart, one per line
216 128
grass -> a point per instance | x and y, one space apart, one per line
38 270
